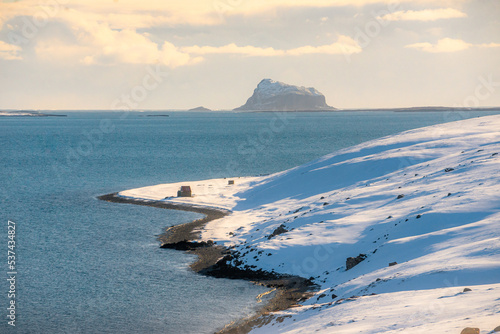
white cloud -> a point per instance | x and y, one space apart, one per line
424 15
251 7
489 45
234 49
449 45
344 45
106 33
133 14
9 51
443 45
121 14
97 43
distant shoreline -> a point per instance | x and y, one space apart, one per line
407 109
211 261
28 114
412 109
428 109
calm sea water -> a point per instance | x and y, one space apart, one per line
87 266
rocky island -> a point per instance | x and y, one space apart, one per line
201 108
273 95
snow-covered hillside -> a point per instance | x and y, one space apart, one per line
419 211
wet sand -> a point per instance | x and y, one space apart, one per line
211 261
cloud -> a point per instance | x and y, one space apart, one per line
121 14
449 45
247 7
443 45
106 32
9 51
489 45
344 45
97 43
424 15
94 42
234 49
133 14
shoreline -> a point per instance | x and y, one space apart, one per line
211 261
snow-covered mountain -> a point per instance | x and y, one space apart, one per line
273 95
401 234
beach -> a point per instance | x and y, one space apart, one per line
288 290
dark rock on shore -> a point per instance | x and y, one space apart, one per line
186 245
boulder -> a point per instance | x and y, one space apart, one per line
354 261
279 230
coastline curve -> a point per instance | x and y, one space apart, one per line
214 260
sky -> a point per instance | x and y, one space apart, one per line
181 54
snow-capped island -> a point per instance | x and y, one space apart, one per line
273 95
399 235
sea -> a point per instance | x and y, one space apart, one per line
70 263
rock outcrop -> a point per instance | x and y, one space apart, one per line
354 261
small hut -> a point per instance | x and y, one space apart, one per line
185 191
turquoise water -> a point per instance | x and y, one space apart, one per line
87 266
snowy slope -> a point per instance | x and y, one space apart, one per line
427 199
271 87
